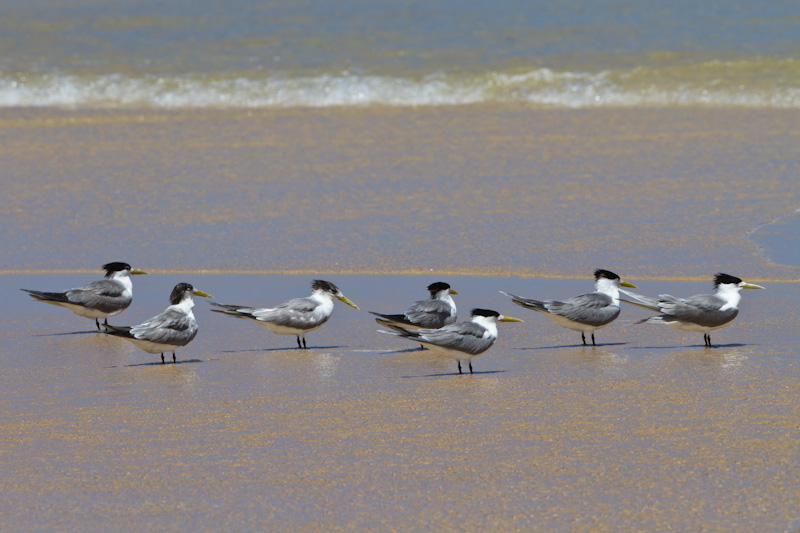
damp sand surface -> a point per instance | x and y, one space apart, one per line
647 431
492 189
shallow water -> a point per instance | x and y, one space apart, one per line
252 54
647 430
669 193
780 239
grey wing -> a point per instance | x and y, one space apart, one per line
701 309
592 309
640 300
429 313
170 327
106 295
238 311
465 337
295 313
528 303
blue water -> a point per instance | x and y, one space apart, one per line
780 240
311 53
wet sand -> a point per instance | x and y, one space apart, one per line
648 431
497 190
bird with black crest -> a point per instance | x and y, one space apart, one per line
99 299
174 328
585 313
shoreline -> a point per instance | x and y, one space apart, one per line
662 193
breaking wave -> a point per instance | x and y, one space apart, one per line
759 83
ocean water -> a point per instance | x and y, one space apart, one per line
316 53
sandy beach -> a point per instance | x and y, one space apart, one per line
647 431
505 190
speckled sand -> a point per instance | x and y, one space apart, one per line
648 431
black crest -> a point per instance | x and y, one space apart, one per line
438 286
177 293
116 266
600 273
485 312
721 278
326 286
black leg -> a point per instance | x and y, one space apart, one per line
305 346
97 322
459 365
174 359
421 347
593 344
298 343
583 338
470 366
162 360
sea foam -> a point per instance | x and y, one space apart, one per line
709 84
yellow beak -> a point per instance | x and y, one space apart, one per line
453 292
751 286
510 319
203 294
346 300
629 285
136 272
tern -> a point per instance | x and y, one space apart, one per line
585 313
460 341
99 299
698 313
295 317
173 328
437 311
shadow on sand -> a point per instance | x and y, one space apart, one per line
572 346
295 349
168 363
692 346
445 374
68 333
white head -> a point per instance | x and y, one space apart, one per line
182 294
440 291
609 283
728 287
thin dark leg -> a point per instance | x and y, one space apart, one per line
97 322
298 343
470 366
583 338
162 360
105 323
593 344
305 346
421 347
459 365
174 359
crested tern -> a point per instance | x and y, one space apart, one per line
173 328
698 313
98 299
460 341
585 313
437 311
297 316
